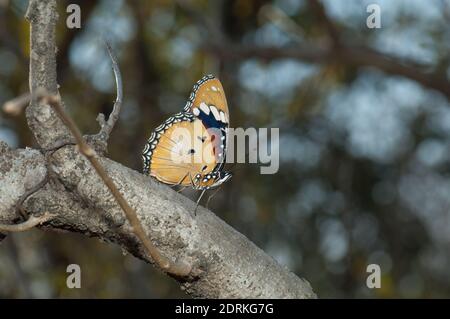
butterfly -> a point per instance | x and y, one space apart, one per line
189 148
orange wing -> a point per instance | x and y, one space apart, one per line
208 90
178 150
189 148
207 101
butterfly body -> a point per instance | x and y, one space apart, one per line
189 148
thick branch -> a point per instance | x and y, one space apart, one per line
20 171
46 127
226 263
177 269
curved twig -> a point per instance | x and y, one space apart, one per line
107 126
31 222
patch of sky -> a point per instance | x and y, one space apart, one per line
111 20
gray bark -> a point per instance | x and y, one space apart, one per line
225 263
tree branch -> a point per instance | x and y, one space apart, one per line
225 263
20 172
46 127
333 32
179 269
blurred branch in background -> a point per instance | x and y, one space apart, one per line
355 56
21 275
7 39
339 51
319 10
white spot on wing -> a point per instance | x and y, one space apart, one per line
196 111
215 112
222 117
214 88
204 108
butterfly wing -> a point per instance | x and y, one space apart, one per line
211 180
208 90
176 151
189 148
207 101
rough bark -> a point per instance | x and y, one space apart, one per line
225 263
45 125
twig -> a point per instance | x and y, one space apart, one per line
15 106
329 25
280 19
201 19
31 222
107 126
180 269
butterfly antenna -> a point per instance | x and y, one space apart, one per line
198 200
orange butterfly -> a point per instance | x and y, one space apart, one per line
189 148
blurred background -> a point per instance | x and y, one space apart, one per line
364 146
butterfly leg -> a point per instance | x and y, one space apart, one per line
198 201
179 183
211 196
181 189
